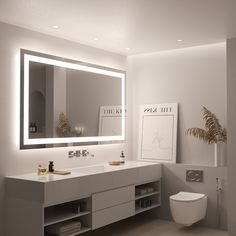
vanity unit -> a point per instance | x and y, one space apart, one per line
94 195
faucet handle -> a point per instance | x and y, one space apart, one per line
85 153
71 154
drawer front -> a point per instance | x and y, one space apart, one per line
112 197
149 173
68 189
114 179
112 214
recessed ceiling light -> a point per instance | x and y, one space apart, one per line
55 26
180 40
127 49
95 39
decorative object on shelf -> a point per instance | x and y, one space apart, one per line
122 157
213 133
114 163
61 172
68 227
42 170
50 166
158 132
33 128
63 128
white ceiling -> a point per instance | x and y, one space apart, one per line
141 25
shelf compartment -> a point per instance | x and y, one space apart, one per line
83 230
54 218
146 195
144 189
140 210
85 221
66 211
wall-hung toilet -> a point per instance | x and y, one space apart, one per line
188 208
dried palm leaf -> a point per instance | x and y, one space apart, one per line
198 133
213 132
63 128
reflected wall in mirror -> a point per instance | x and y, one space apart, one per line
62 100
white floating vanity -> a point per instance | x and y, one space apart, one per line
94 195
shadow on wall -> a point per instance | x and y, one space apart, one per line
173 181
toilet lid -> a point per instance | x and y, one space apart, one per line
187 197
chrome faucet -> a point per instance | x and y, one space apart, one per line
79 153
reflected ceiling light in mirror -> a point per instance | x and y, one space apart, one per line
32 58
180 40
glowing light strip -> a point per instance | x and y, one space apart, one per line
27 141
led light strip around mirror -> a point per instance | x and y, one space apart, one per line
32 58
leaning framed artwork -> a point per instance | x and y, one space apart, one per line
158 132
110 122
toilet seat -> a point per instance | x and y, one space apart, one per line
187 197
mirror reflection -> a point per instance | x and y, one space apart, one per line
69 100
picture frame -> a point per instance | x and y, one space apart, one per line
110 121
158 132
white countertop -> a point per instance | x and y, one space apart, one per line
82 171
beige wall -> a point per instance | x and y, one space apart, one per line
193 77
231 118
174 181
15 161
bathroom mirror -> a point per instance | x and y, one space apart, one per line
62 101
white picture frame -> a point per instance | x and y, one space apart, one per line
110 121
158 132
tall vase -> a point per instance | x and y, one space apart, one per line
219 154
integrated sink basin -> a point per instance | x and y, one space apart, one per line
91 169
109 191
98 169
101 168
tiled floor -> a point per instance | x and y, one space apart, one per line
143 226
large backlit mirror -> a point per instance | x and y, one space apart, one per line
66 102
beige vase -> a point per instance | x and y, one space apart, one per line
219 154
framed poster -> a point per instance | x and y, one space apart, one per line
158 132
110 121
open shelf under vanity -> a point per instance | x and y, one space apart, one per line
61 216
73 205
147 196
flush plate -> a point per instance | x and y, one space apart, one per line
194 175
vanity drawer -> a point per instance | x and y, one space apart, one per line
149 173
112 214
67 189
112 197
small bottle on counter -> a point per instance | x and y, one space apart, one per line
51 166
122 158
42 170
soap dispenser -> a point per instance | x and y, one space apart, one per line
51 166
122 158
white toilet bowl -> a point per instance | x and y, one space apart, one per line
188 208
